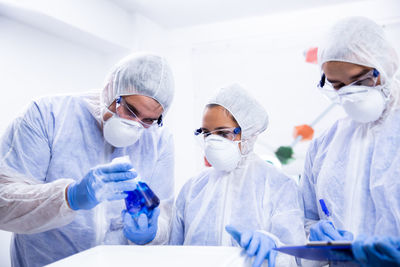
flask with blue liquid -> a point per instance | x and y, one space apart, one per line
141 200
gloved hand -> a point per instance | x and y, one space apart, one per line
256 243
103 182
325 231
377 251
141 229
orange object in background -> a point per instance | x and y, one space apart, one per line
312 55
306 131
206 162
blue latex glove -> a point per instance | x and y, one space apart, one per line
377 251
140 229
255 243
104 182
325 231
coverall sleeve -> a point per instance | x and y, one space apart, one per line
287 220
28 204
178 222
307 187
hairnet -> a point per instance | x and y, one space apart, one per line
361 41
249 114
140 74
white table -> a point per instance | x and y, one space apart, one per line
149 256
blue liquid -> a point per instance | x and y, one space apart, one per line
141 200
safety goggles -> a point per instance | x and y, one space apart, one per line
351 91
228 133
125 111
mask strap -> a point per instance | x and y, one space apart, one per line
109 111
247 140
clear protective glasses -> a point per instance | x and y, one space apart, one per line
228 133
126 111
352 91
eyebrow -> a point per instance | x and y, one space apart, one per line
362 73
353 78
218 128
137 113
132 108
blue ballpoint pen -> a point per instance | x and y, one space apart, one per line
324 208
326 211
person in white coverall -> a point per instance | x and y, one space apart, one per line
241 200
60 194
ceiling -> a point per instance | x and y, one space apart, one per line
182 13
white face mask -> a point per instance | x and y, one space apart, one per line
120 132
221 153
365 107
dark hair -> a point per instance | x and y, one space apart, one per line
225 110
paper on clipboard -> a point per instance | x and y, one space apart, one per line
321 251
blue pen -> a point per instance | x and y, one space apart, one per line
326 211
324 208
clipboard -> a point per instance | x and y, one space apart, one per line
321 251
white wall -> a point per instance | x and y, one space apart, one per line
96 22
35 64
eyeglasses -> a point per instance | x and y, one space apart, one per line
125 110
348 92
228 133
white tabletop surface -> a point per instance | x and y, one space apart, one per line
201 256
